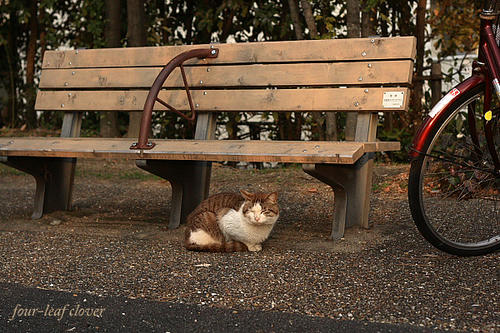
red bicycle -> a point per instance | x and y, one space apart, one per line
454 183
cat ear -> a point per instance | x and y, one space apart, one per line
247 195
273 197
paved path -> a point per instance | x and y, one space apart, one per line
69 312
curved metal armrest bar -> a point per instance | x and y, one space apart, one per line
147 112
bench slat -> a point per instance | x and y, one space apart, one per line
259 52
305 74
314 99
197 150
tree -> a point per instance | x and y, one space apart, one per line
368 19
13 16
30 65
417 91
136 33
455 29
330 118
353 18
353 31
112 36
309 17
294 15
290 125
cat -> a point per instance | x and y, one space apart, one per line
231 222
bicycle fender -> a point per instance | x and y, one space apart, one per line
438 111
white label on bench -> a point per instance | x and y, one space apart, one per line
393 99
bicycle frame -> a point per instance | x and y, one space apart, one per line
485 71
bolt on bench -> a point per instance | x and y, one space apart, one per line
366 76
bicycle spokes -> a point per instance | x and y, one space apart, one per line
454 185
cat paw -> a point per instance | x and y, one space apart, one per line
255 248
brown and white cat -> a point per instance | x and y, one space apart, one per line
230 222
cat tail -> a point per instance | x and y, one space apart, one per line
235 246
231 246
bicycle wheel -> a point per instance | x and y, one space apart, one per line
453 189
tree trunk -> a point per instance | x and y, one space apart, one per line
299 120
112 36
330 118
310 21
294 14
286 129
112 29
136 23
391 120
368 21
384 26
436 83
353 18
11 51
45 117
162 7
227 27
369 28
42 32
136 31
353 31
417 93
331 126
188 23
404 24
233 117
30 66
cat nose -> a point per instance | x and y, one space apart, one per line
257 218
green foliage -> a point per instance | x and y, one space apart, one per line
404 135
169 125
90 124
455 26
455 31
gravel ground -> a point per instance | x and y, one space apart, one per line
115 242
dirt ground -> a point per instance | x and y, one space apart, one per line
113 197
115 242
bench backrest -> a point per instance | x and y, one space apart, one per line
362 75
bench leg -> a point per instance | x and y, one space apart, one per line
190 181
54 181
352 187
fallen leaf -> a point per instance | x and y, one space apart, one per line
203 265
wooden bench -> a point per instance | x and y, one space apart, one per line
366 76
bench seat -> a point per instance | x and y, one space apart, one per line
197 150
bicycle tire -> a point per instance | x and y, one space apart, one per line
431 194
